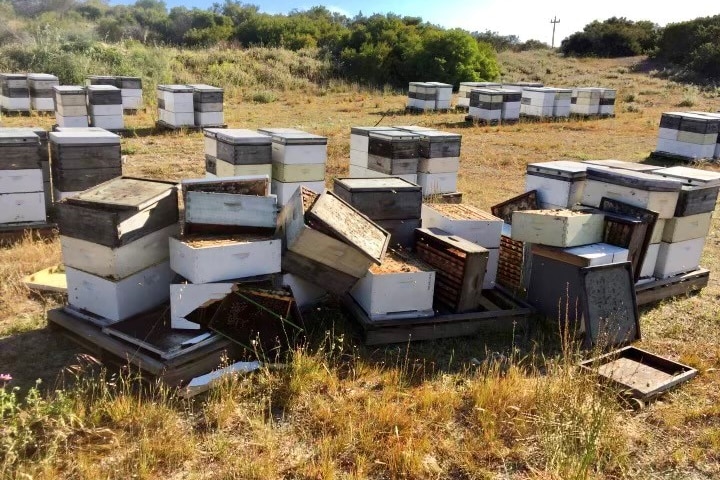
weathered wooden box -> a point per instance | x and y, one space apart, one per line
309 172
19 149
119 300
437 144
120 262
206 95
460 267
299 148
22 207
679 229
699 192
390 166
98 95
207 259
635 188
464 221
559 184
238 146
402 232
388 198
394 144
118 212
557 228
680 257
401 286
360 137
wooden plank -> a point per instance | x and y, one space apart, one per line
50 279
684 284
125 193
231 209
630 234
524 201
332 280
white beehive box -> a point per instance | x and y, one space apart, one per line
299 148
465 221
22 207
691 176
607 101
680 257
557 228
176 98
361 172
599 253
21 181
486 104
119 300
217 260
658 230
185 298
359 143
437 183
647 270
439 165
121 262
285 191
492 267
400 287
679 229
71 122
586 101
226 169
309 172
635 188
559 184
463 99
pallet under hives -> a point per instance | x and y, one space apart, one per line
678 285
161 125
13 232
491 123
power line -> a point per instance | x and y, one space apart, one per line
554 21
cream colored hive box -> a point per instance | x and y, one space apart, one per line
679 229
557 228
680 257
465 221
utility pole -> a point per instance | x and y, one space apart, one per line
554 21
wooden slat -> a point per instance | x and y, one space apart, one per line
671 287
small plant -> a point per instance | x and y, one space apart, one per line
264 97
629 98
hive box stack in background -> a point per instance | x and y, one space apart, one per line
394 153
175 105
44 154
101 80
607 102
71 106
237 152
443 95
105 107
463 99
298 158
537 102
82 159
208 105
472 224
439 162
510 105
421 96
486 105
359 145
131 91
688 135
561 105
520 86
22 194
559 184
41 91
684 235
114 240
15 92
585 101
392 203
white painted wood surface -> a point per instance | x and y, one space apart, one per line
217 262
21 181
435 183
492 267
72 110
71 122
658 230
103 110
647 270
227 169
110 122
439 165
119 300
22 207
285 190
231 209
306 294
599 253
680 257
209 118
557 228
662 202
121 262
485 232
298 154
551 191
84 137
394 294
679 229
187 297
177 118
359 158
312 172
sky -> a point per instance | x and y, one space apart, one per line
525 18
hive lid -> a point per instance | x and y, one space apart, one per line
279 130
13 76
240 136
365 131
14 136
102 88
691 175
84 136
201 87
413 128
123 193
41 76
559 168
439 136
628 178
299 139
637 167
175 88
377 184
396 136
69 89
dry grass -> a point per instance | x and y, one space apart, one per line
423 411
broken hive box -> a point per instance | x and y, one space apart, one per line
464 221
322 229
460 267
401 287
558 228
229 205
187 299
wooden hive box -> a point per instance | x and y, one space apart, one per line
437 145
41 91
393 152
101 80
326 230
388 198
559 184
238 146
84 158
557 228
19 149
360 137
207 98
401 287
187 300
119 211
99 95
679 229
175 98
464 221
460 267
644 190
679 257
585 255
229 205
699 191
299 148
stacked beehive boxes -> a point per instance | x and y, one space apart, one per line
14 92
443 95
114 240
585 101
429 96
237 152
228 235
559 184
544 102
71 106
486 104
359 150
439 162
392 203
131 92
298 158
41 91
394 153
105 107
101 80
688 134
175 105
465 88
82 159
208 105
607 102
471 224
22 189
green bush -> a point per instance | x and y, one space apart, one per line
615 37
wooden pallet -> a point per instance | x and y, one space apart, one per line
24 113
161 125
172 371
672 157
534 119
11 233
489 123
420 111
501 314
682 284
594 116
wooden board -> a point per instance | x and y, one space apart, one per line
125 193
11 233
629 233
639 373
684 284
330 279
381 198
499 313
524 201
229 209
694 200
50 279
